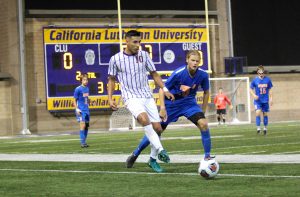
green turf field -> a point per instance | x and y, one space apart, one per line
112 179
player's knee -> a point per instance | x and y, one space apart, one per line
257 112
143 119
82 126
157 128
202 124
265 113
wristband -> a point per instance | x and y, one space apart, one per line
165 89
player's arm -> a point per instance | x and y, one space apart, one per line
229 102
205 100
271 96
112 72
270 85
215 99
205 87
162 111
76 95
156 77
253 93
110 91
252 87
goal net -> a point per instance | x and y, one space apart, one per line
235 88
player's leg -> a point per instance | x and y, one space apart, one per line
219 116
224 116
265 110
200 121
194 113
142 145
140 109
154 118
86 130
81 134
152 163
81 121
257 114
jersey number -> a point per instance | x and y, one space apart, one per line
263 90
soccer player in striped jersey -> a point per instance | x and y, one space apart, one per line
220 101
81 94
260 89
183 84
131 67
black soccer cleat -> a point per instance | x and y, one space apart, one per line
265 131
84 146
130 161
258 131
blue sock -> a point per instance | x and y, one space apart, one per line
206 142
257 121
82 137
143 144
266 120
85 135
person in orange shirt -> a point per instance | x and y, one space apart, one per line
220 101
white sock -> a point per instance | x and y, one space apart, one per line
258 128
265 128
153 137
153 153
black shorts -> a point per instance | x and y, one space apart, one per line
221 111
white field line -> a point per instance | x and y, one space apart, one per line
253 152
146 173
259 145
175 158
41 141
234 147
198 137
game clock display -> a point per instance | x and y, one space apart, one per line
69 52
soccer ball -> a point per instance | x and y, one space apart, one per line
208 168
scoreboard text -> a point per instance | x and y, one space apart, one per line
71 51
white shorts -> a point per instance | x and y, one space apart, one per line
140 105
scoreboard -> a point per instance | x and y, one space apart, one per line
71 51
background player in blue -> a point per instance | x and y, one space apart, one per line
260 89
183 84
81 94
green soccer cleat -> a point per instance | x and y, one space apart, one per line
154 165
163 156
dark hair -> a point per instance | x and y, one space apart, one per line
82 76
132 33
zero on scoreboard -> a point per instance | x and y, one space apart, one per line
71 51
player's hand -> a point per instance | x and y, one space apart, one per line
113 105
163 114
78 111
256 97
169 96
230 107
271 103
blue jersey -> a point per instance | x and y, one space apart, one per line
262 88
184 86
81 95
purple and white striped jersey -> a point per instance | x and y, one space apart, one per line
131 71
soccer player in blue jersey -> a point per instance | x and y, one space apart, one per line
261 91
183 84
81 103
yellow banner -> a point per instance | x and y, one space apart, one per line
111 35
98 102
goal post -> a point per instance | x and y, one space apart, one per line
235 88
